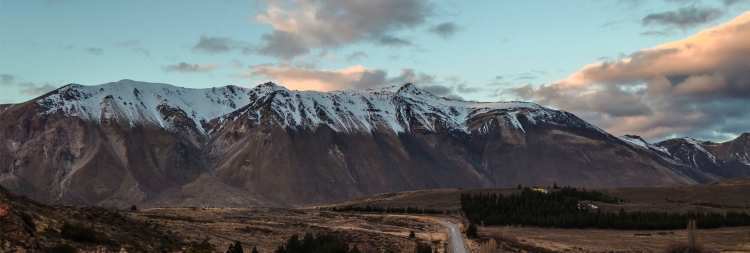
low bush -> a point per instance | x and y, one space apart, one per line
63 248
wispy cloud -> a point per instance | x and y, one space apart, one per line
184 67
355 56
135 46
23 87
445 30
95 50
684 17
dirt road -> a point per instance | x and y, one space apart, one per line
457 242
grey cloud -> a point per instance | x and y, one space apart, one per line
733 2
411 76
371 79
386 40
34 89
283 45
437 90
445 30
184 67
525 77
655 33
216 45
134 45
7 79
26 88
356 56
464 88
95 50
684 17
337 23
454 96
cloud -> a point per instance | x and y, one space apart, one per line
236 64
353 77
95 50
299 78
25 88
525 77
184 67
7 79
684 17
445 30
304 24
728 3
216 45
464 88
283 45
34 89
134 45
355 56
695 86
655 33
387 40
437 90
409 75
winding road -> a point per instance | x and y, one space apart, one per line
457 242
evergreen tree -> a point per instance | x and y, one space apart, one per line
424 248
255 250
235 248
471 232
412 235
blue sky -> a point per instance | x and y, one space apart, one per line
476 50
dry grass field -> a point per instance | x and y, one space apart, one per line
267 228
735 239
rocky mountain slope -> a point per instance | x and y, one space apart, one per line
129 142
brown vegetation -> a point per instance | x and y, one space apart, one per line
691 245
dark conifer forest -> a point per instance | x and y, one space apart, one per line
562 209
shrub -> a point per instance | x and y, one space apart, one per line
412 235
167 247
471 232
683 246
423 248
80 233
490 246
235 248
64 248
133 208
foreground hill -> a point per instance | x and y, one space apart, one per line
128 142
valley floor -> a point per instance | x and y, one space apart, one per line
736 239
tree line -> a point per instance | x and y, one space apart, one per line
377 209
562 209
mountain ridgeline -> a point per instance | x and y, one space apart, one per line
128 142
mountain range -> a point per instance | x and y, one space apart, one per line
128 142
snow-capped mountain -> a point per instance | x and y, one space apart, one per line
129 142
394 109
728 159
